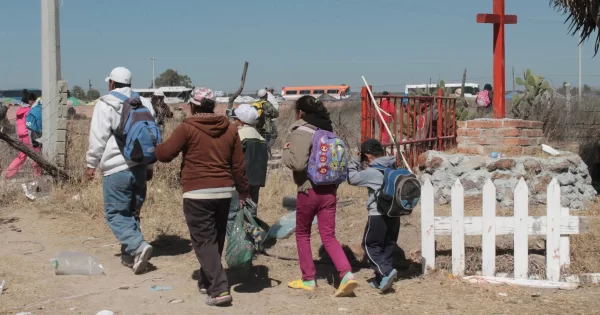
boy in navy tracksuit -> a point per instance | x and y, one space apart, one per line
381 233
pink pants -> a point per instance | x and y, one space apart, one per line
320 202
19 161
385 136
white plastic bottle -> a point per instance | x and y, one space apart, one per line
73 263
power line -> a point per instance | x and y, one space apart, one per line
412 8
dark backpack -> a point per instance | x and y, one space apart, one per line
399 194
137 135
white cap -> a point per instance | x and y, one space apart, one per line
120 75
159 93
262 93
246 113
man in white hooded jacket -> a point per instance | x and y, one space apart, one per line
124 182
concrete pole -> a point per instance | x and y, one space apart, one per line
153 77
51 74
580 80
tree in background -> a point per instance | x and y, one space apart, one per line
173 78
93 94
78 92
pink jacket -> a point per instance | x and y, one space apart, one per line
21 114
388 107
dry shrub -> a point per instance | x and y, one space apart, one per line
576 128
585 248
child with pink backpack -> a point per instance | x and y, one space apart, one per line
24 136
484 101
319 161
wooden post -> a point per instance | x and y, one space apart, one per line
48 167
240 89
440 94
565 245
458 229
521 235
553 216
488 232
364 96
567 86
427 227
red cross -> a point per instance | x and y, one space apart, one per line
499 19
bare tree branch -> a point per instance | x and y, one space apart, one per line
240 89
50 168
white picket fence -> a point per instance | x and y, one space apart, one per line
557 225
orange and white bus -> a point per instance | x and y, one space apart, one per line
292 93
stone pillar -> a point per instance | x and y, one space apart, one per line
61 125
506 136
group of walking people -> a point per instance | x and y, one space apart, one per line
224 165
213 172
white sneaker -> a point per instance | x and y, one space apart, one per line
141 259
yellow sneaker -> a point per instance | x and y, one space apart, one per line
347 286
304 285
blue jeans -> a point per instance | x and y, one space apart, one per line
124 194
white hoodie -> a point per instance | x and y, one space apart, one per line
103 151
273 100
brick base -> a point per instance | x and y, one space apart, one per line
507 136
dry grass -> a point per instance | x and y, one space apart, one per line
162 213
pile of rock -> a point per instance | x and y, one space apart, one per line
473 171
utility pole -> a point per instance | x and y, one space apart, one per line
428 91
580 81
153 77
90 86
513 73
567 86
51 74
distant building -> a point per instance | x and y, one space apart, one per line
16 93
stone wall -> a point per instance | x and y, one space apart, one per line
506 136
473 171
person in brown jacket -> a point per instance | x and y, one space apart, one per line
212 169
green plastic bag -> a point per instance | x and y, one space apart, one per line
245 239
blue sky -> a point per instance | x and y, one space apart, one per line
288 42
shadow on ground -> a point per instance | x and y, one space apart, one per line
249 280
171 245
407 269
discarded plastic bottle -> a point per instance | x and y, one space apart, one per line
73 263
285 226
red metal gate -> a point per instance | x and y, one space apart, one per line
418 123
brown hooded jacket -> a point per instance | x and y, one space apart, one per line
212 153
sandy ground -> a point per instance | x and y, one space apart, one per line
30 237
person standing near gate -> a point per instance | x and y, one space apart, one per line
387 106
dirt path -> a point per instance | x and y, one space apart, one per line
28 240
